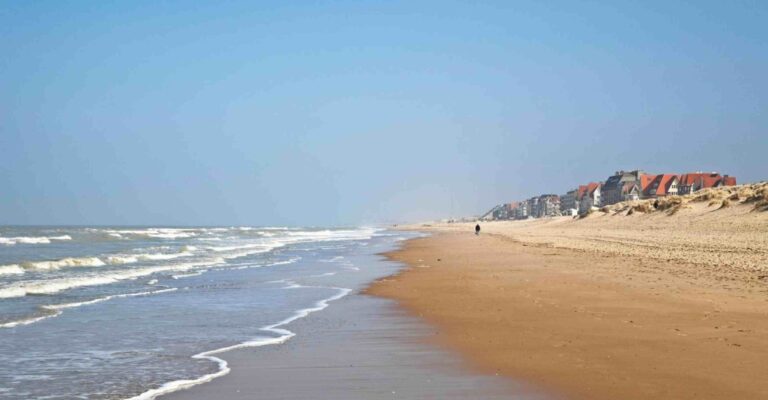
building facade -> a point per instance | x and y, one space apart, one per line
568 202
618 186
591 197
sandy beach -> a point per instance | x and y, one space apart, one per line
612 306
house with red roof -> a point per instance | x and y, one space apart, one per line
692 182
590 196
658 185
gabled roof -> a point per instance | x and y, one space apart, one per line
645 181
587 190
580 193
705 179
657 185
591 187
628 188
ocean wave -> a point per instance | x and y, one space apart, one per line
189 274
121 259
219 249
157 233
51 286
272 264
31 320
65 262
332 235
54 310
186 251
164 256
10 241
275 329
105 298
11 269
243 250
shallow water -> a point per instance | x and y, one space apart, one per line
113 313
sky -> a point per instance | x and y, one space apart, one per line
362 112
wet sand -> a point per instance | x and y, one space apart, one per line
361 347
592 325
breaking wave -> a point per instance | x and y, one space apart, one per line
10 241
51 286
12 269
65 262
54 310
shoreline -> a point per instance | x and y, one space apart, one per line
359 346
384 356
223 366
587 324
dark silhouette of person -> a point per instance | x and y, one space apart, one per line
477 229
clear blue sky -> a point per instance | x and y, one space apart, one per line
328 113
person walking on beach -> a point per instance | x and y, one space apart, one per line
477 229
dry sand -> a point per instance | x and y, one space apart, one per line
645 306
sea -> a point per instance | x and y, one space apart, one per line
136 312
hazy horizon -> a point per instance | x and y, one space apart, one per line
343 113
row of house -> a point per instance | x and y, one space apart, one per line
621 186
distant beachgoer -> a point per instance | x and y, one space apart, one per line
477 229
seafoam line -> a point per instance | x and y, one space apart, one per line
54 310
284 336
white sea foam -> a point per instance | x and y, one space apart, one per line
54 310
11 269
55 285
63 263
121 259
164 256
12 291
283 336
32 320
32 240
242 250
105 298
133 258
238 247
284 262
159 233
171 235
190 274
